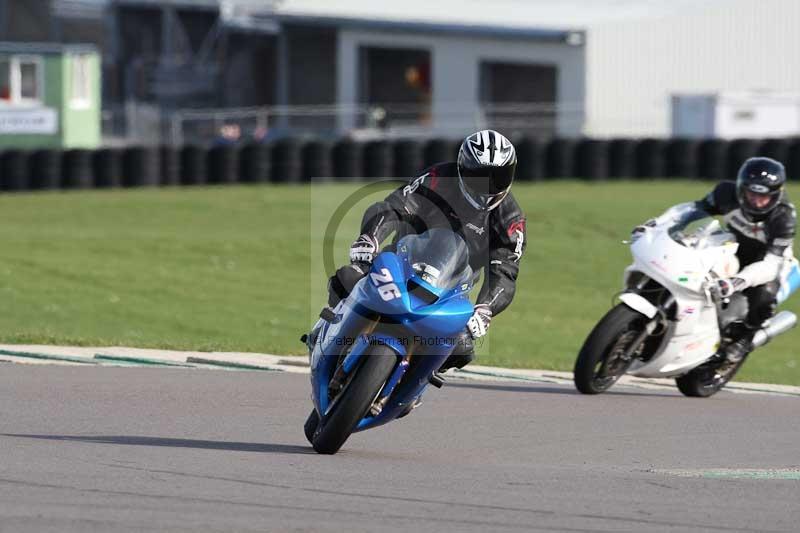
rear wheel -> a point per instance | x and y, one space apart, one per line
354 400
602 359
709 378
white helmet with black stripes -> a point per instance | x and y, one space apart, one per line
487 162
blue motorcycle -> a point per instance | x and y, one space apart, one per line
375 353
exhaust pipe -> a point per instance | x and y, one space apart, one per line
780 323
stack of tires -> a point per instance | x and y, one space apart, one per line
295 161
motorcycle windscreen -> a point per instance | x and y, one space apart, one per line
699 230
438 257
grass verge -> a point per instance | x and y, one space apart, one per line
239 268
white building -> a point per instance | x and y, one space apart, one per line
602 68
617 62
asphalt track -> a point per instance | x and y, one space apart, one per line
138 449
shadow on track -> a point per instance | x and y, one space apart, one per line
173 443
552 389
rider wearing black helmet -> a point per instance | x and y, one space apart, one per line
471 196
757 211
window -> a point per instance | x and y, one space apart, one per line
5 80
81 81
28 81
397 80
520 97
21 80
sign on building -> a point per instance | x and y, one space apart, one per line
38 121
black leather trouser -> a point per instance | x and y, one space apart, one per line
762 301
341 284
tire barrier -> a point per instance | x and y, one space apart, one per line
347 160
560 159
777 149
316 158
378 160
682 158
651 158
530 159
45 170
713 159
591 159
739 151
107 165
193 165
170 166
78 171
438 151
286 163
254 163
793 161
223 164
14 171
408 161
293 161
140 167
622 158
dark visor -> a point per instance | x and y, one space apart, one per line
488 180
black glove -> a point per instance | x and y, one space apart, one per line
364 249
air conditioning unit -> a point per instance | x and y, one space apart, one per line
732 115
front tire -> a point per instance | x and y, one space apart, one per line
311 425
354 400
600 362
708 379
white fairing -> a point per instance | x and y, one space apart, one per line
685 271
639 303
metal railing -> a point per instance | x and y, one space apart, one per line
145 124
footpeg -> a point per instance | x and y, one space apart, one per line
437 380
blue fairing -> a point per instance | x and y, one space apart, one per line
392 306
790 283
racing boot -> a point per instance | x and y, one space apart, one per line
326 315
310 339
741 345
462 355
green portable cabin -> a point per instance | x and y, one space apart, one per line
49 96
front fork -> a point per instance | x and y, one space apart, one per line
659 318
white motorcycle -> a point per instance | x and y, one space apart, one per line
670 322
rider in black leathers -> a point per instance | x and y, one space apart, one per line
758 212
470 196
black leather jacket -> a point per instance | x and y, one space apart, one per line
773 235
496 238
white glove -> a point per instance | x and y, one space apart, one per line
727 287
478 323
363 250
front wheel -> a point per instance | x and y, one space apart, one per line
311 425
354 400
606 354
708 379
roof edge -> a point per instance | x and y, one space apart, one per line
573 36
45 48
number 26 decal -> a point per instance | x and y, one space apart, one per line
385 283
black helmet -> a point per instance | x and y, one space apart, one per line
760 177
486 165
